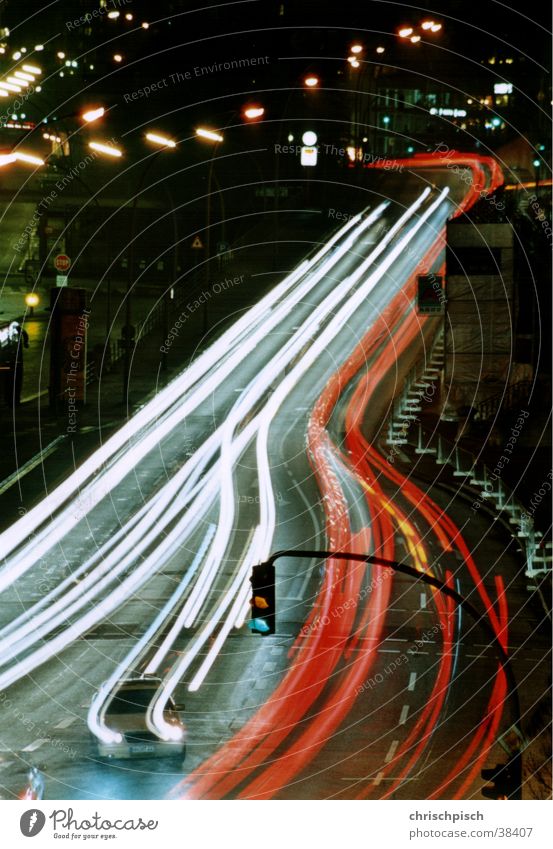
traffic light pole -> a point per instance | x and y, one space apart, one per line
437 584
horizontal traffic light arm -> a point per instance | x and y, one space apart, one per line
433 582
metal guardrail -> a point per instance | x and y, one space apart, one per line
488 486
490 489
419 385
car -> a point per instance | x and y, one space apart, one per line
126 713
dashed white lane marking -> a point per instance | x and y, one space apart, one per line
389 651
391 751
65 723
403 714
378 778
412 680
36 744
423 600
268 667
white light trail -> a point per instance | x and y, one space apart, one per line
150 416
263 536
262 541
96 713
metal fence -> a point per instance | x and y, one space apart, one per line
487 486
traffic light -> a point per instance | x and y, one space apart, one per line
506 779
263 599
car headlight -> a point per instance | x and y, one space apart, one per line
175 733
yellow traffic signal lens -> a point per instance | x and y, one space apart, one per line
260 602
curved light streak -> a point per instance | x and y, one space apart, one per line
96 713
27 526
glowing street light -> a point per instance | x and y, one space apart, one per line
427 24
22 75
209 134
253 112
117 57
435 27
311 82
405 32
10 86
60 54
6 159
105 148
28 157
415 39
93 114
354 62
39 47
113 15
164 141
145 25
380 49
3 93
356 48
32 300
16 81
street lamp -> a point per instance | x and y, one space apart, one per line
164 141
92 115
251 113
6 159
106 149
311 81
32 300
209 134
27 157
